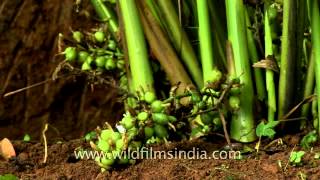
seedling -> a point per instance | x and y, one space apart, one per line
296 158
70 53
26 138
267 130
309 139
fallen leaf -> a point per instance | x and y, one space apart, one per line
6 149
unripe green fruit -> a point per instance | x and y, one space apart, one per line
217 121
77 36
215 76
82 56
89 60
112 45
160 131
100 61
143 116
127 122
119 144
70 53
123 81
106 134
160 118
172 119
149 97
99 36
86 66
148 132
116 136
120 64
103 145
157 106
110 64
205 129
107 161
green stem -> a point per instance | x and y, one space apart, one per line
288 58
300 28
106 14
314 111
180 40
253 54
242 124
310 77
154 11
207 58
193 5
219 30
162 48
138 56
315 29
230 61
272 107
309 87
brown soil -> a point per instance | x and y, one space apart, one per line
29 47
61 164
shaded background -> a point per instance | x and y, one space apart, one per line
28 55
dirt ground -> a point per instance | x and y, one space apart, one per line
62 164
29 47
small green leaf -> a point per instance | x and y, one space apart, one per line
259 129
269 132
8 177
295 157
272 124
309 139
266 129
300 153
